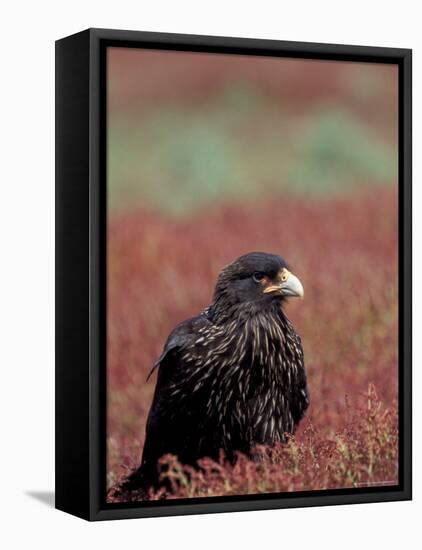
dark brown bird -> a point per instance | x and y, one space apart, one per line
233 377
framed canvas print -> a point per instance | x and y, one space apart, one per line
233 280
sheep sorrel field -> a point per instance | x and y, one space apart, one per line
161 270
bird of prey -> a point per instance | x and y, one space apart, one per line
233 377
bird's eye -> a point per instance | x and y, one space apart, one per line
258 276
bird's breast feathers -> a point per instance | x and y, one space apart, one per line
236 360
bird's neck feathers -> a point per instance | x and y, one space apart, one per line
255 323
259 340
223 311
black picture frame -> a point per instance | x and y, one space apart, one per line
81 272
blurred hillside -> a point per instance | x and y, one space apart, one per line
189 129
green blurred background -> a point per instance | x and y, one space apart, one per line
189 129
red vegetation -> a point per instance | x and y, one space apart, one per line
162 271
362 453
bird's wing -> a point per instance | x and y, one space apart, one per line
181 338
170 426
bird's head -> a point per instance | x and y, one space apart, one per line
256 278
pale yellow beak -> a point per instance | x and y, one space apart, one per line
289 285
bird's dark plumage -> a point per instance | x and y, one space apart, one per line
233 377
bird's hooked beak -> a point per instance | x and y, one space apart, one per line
287 285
